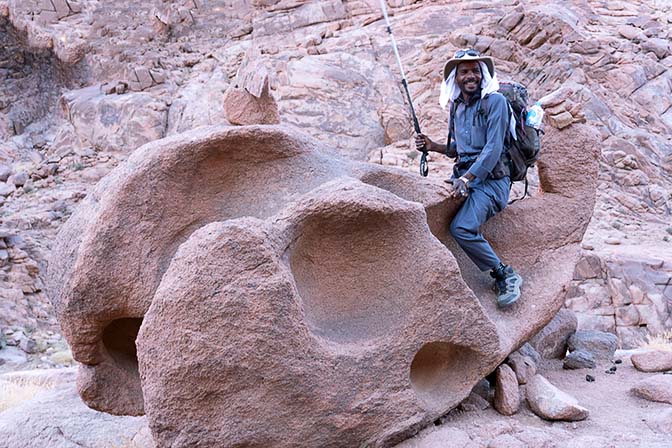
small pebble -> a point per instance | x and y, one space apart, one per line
590 378
610 372
613 368
618 361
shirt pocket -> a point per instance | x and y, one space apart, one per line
478 136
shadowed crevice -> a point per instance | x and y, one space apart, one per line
119 341
32 81
437 372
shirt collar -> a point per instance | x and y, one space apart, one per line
473 99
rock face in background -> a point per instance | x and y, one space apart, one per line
627 295
115 122
315 284
130 72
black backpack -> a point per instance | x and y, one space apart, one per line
522 152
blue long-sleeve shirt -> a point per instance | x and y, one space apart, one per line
481 136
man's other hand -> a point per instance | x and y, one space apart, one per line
460 188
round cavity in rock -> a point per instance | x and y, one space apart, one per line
438 373
119 341
354 271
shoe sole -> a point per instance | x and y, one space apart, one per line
517 294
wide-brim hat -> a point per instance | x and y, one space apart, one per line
468 56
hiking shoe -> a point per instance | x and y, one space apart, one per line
507 285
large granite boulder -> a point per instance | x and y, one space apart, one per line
329 327
243 285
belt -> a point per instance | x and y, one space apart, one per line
465 161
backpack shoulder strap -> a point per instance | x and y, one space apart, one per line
485 102
485 108
485 105
451 126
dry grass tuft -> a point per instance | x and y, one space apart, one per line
128 444
13 392
662 341
124 444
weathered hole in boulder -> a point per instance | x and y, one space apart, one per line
438 372
353 274
119 340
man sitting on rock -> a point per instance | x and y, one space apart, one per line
481 173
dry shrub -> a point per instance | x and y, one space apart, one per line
129 444
662 341
124 444
13 392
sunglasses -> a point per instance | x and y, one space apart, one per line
462 53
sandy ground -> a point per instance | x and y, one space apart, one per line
617 418
55 416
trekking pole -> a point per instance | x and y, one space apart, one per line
424 169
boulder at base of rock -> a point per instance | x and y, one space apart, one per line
652 361
551 341
523 366
531 352
507 397
474 402
600 344
655 388
579 359
18 179
550 403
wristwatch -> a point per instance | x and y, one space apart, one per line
465 180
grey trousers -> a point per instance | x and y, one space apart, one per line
485 199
